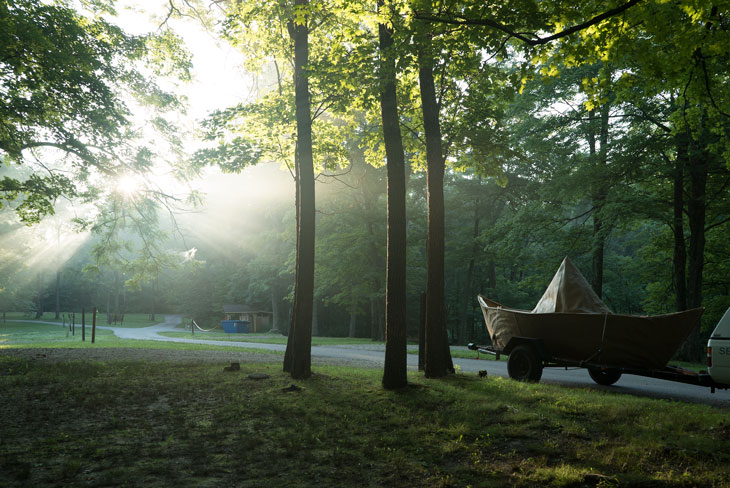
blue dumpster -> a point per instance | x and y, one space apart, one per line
235 326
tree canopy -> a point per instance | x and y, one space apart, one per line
448 148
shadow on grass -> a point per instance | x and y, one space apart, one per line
191 424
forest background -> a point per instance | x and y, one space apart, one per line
608 146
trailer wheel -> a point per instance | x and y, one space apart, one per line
604 376
523 364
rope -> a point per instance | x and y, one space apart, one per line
603 334
600 347
201 329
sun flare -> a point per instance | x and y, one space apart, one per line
128 186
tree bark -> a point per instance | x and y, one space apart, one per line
465 328
299 345
438 355
39 299
155 288
679 258
279 310
375 332
116 293
315 317
58 293
352 332
696 218
374 335
600 191
491 274
394 369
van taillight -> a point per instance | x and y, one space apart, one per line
709 356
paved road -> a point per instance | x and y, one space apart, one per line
573 378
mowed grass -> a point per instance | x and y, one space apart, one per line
131 320
124 423
38 335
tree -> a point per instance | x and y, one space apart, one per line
298 359
394 370
64 75
438 357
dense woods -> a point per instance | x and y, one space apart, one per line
394 149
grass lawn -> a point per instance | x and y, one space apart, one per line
173 424
35 335
130 320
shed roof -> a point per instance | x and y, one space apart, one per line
240 308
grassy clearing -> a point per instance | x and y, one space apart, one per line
268 338
131 320
174 424
35 335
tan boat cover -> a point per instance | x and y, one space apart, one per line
569 292
576 325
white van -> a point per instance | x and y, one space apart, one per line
718 351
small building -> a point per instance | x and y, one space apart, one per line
259 320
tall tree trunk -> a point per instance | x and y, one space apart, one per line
375 261
696 217
352 332
438 356
491 274
374 332
600 191
58 293
696 207
465 328
394 368
300 337
279 312
679 258
155 288
39 298
315 317
116 293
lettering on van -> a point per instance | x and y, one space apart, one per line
723 350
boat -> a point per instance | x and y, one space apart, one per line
575 327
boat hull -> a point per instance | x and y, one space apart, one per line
612 340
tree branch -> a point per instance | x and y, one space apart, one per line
536 41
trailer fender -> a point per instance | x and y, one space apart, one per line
537 344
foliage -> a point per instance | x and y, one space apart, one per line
519 119
65 74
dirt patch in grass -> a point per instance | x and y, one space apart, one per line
175 418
